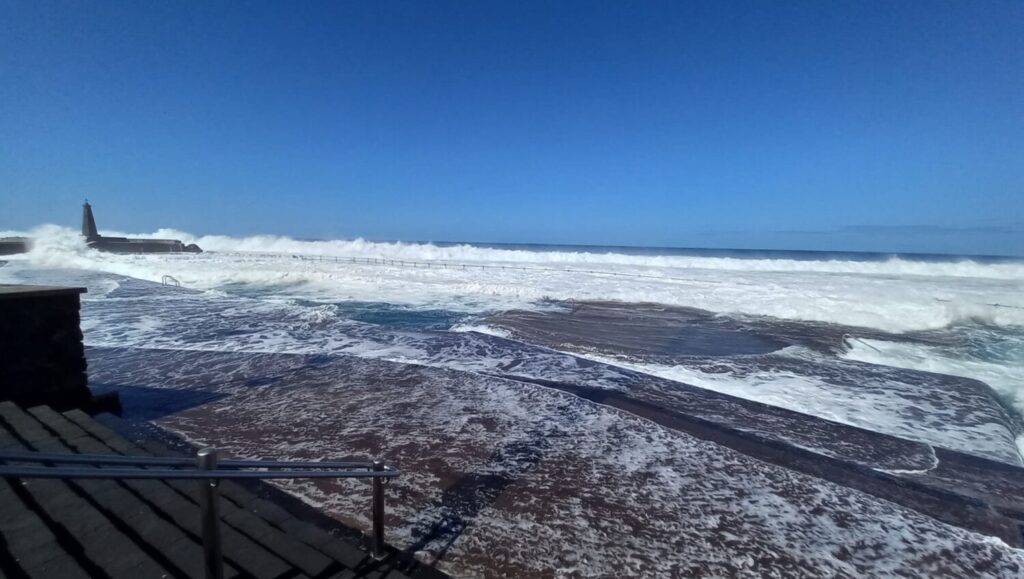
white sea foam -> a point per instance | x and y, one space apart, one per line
482 329
1004 374
895 295
1005 377
471 253
529 482
876 402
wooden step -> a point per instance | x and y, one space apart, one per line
84 532
150 528
178 502
301 555
29 542
301 544
156 530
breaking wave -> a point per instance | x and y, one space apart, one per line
1010 270
895 295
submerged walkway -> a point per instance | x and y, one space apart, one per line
146 528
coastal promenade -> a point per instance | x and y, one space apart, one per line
150 528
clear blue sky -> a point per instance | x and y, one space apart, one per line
818 125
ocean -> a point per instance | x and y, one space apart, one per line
927 349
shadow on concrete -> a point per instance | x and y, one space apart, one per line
146 403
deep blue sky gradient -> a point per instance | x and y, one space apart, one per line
812 125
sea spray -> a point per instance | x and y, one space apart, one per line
893 295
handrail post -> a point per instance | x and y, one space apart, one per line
213 564
378 511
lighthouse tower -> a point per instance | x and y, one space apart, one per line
89 223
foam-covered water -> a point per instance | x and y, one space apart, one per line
872 345
502 480
973 308
993 355
505 481
971 312
866 397
895 294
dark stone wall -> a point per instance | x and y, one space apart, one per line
42 360
13 245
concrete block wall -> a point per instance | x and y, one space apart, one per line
42 358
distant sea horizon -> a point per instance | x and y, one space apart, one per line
637 250
717 252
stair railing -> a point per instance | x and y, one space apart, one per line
208 471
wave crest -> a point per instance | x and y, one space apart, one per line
894 295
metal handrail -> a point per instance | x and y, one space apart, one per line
173 461
446 264
128 473
208 471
